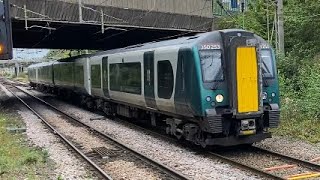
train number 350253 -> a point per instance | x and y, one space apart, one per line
210 46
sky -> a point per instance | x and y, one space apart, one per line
29 54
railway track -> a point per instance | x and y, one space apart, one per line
17 83
285 167
299 169
268 172
68 142
169 172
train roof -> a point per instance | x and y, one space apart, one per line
172 42
41 64
183 41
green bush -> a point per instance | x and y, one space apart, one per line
299 80
22 75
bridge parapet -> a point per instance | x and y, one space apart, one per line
127 13
186 7
105 24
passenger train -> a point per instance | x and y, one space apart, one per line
215 88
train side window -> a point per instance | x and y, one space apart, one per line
165 79
126 77
96 76
80 75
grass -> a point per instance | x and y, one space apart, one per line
17 159
295 124
22 77
308 130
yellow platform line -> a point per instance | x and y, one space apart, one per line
304 175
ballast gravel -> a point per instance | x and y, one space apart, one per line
195 166
189 163
67 165
292 147
181 159
121 169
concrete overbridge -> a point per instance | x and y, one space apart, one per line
105 24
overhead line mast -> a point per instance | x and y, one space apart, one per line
80 11
280 27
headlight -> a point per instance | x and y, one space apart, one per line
264 95
208 98
219 98
244 122
273 94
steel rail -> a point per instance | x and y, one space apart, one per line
289 158
243 166
304 163
17 82
220 157
122 145
78 151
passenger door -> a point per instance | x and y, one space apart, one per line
181 104
148 61
105 75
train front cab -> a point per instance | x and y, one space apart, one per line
246 93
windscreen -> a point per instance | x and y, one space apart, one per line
267 64
211 65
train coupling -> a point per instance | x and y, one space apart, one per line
247 127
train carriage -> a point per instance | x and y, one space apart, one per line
41 74
216 88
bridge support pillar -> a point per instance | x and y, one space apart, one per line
17 69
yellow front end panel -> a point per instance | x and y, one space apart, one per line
247 80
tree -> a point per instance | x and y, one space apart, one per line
253 19
62 53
